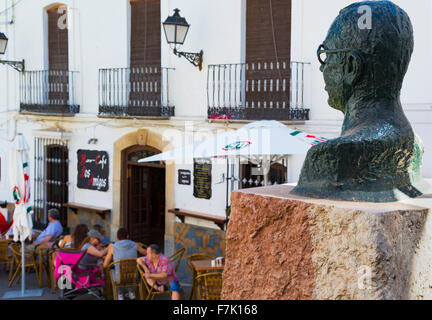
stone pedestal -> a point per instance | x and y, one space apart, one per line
280 246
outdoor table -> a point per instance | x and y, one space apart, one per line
200 267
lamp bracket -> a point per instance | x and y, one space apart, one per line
195 58
17 65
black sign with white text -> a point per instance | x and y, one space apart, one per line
184 177
93 170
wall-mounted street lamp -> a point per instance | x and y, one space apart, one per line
176 29
17 65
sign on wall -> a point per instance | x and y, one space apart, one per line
184 177
93 170
202 179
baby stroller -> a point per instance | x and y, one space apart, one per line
75 282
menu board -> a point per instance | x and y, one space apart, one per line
93 170
202 179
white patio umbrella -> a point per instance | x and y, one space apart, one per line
19 170
262 138
264 141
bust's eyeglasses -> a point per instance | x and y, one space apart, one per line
323 51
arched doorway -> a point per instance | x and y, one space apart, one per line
143 196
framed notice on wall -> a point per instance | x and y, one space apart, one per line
93 170
202 179
184 177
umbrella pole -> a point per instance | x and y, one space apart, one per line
227 179
23 274
266 168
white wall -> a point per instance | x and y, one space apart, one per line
215 29
216 205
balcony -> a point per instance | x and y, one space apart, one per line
257 91
49 92
135 92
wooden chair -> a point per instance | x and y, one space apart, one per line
30 262
5 259
147 292
46 264
176 258
108 289
51 267
189 259
127 275
50 260
12 265
209 286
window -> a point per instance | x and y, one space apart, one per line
252 175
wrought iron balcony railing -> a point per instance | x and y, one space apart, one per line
257 91
49 91
137 91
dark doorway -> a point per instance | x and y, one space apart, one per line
57 180
143 196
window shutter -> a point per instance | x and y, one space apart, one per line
145 33
267 41
58 44
268 45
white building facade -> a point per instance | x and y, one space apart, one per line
101 80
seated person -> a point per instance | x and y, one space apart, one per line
75 239
123 248
53 230
101 230
92 244
157 268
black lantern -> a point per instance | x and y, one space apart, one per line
176 29
3 43
17 65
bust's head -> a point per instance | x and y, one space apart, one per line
372 61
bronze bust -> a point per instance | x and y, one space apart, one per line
377 158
